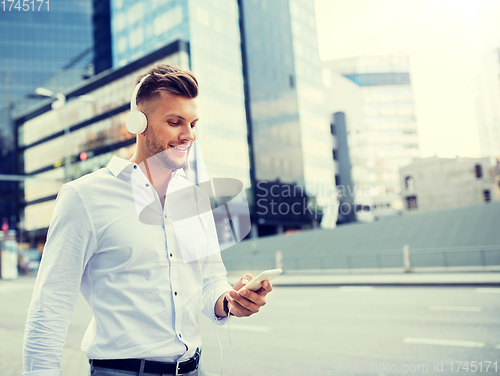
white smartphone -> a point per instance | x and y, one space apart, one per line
268 275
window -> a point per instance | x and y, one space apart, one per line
136 37
479 171
337 180
487 195
168 20
411 202
332 128
335 154
120 22
122 44
409 184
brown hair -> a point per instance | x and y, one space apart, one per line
169 78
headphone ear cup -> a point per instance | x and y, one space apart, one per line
136 122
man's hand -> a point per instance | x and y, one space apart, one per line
243 302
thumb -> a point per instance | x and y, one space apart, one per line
245 278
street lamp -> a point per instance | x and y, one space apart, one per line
59 104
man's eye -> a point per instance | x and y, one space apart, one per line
193 125
172 123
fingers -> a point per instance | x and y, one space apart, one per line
245 278
238 310
245 302
266 288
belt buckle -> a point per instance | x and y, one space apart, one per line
196 357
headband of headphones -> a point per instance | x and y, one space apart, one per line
133 100
136 121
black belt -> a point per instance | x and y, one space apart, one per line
150 366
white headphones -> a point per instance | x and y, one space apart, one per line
136 121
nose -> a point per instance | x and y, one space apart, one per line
188 133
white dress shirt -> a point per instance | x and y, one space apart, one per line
145 299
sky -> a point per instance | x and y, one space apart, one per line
445 40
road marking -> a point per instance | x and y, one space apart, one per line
249 328
356 288
488 290
15 286
290 304
443 342
455 308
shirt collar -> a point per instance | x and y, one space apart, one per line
116 165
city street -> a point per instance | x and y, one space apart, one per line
315 329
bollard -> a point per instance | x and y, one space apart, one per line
279 260
406 258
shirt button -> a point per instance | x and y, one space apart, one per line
135 167
175 293
180 335
147 185
170 255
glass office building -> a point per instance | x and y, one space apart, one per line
290 127
47 47
386 138
317 147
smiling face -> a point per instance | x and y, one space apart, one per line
171 129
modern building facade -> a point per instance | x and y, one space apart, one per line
446 183
40 47
343 177
385 137
101 22
487 100
290 132
344 101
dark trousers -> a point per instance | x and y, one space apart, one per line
98 371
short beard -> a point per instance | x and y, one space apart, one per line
158 154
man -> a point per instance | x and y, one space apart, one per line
129 266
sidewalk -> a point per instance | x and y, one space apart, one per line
399 278
395 277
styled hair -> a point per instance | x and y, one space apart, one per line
169 78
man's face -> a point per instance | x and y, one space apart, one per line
171 129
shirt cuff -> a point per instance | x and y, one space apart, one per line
220 320
45 372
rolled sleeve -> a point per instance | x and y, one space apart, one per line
214 274
215 285
69 246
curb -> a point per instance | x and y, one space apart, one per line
389 280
